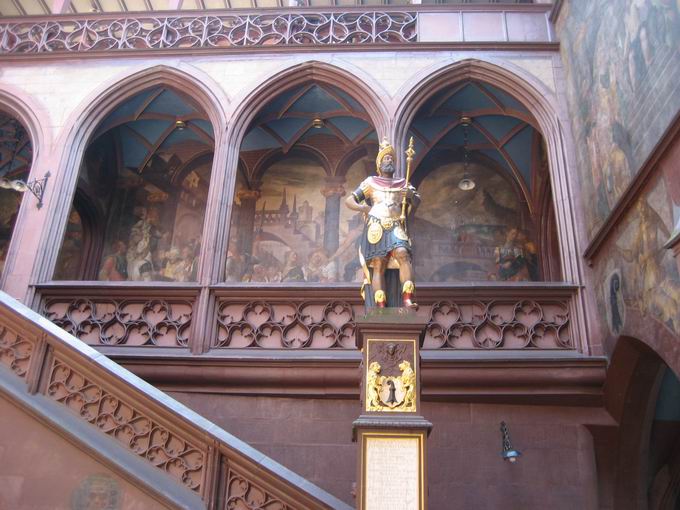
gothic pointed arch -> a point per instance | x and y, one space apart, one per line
297 144
150 121
479 113
23 139
307 72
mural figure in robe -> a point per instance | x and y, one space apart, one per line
385 247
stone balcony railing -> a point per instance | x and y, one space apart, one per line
332 28
523 340
531 316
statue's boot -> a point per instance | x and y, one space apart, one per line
380 299
408 295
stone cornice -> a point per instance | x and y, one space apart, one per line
511 377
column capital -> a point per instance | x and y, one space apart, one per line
248 194
333 190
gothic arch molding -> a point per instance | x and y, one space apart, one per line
313 71
15 103
85 119
247 107
543 105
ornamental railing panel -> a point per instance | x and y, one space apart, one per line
203 32
483 318
109 34
122 316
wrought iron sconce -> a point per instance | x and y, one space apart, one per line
36 186
508 452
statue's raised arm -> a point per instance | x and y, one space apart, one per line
385 249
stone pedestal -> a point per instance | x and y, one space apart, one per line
390 431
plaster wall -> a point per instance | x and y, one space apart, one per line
621 63
40 470
620 78
313 437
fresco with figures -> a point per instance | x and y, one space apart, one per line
622 63
476 235
635 271
141 194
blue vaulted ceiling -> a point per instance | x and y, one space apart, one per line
287 119
502 129
145 125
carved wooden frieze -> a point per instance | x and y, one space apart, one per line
144 436
15 351
243 494
285 324
134 321
135 33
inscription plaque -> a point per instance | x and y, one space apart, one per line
392 472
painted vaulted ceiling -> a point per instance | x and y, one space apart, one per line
288 119
146 125
502 129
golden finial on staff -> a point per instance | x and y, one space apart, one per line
410 152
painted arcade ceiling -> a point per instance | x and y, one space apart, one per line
289 224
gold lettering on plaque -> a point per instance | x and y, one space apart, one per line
392 473
391 393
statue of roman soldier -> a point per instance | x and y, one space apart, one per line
385 249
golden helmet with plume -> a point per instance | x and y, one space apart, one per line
385 150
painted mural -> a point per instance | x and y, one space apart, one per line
144 232
472 235
16 156
636 271
281 234
141 193
71 253
98 492
622 62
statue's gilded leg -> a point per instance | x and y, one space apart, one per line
378 281
406 276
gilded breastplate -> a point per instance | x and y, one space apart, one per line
386 203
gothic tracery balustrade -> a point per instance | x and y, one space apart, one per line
490 320
205 461
214 31
123 317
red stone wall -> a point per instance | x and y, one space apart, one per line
40 470
465 469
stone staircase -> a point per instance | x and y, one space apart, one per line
75 427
